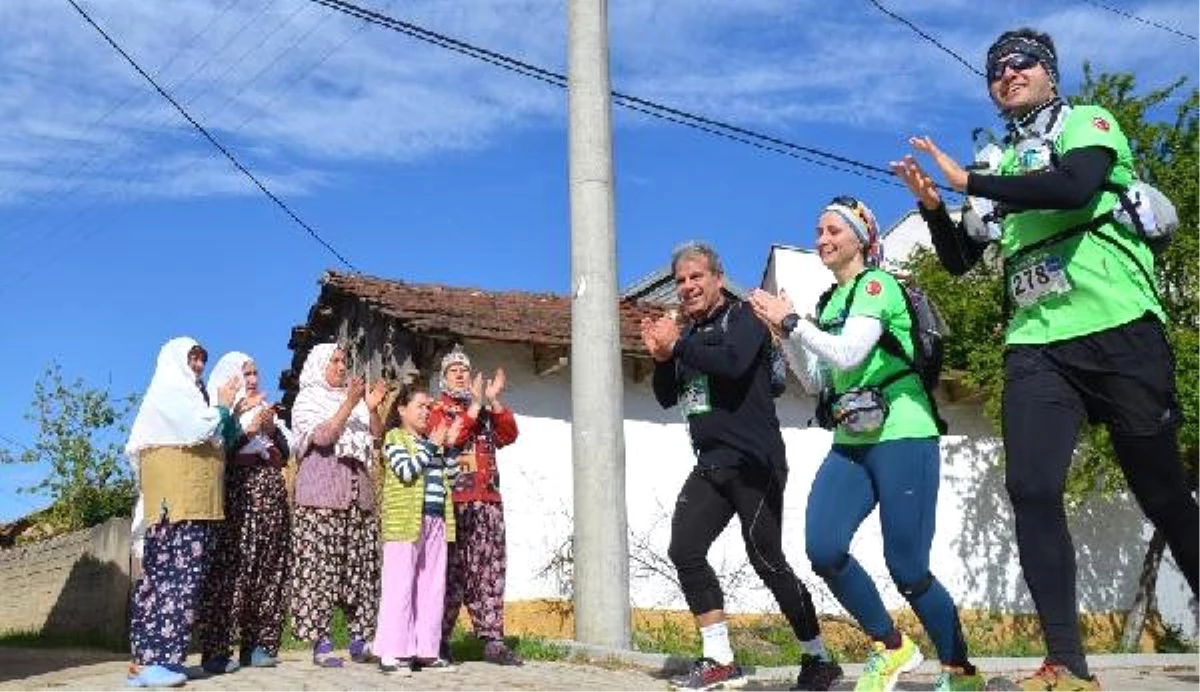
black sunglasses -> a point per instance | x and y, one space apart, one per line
1017 61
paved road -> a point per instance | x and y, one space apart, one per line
42 669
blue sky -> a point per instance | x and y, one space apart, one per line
120 227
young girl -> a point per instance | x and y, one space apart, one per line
418 521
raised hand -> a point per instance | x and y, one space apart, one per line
955 175
664 332
648 339
495 385
454 430
477 388
920 183
356 389
228 390
375 396
267 420
439 433
771 309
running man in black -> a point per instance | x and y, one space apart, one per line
718 371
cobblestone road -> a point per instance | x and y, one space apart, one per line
45 669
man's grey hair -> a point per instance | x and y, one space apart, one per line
695 248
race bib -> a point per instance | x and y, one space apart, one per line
1033 282
694 399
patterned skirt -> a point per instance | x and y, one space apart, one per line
335 563
246 589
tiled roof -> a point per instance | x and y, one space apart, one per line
507 316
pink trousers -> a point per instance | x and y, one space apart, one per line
413 593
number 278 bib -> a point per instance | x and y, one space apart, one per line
1035 280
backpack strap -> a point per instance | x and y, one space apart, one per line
889 343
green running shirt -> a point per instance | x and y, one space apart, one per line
880 296
1082 284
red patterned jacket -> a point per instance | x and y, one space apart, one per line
475 447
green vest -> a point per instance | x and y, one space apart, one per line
403 504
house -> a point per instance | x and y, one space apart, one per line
396 329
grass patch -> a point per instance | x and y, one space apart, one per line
767 640
28 639
463 646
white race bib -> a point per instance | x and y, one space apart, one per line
694 400
1046 276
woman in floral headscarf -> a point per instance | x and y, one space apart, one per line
177 448
335 535
245 590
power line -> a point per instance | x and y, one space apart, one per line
16 443
646 106
200 128
1136 18
925 36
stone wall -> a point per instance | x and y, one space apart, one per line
75 584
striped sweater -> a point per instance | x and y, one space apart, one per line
416 479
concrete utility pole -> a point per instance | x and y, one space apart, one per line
601 549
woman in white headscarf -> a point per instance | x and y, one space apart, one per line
335 534
245 589
176 446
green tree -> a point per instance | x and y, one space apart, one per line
88 480
1161 125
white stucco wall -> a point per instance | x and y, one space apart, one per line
973 553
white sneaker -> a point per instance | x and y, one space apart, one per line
390 665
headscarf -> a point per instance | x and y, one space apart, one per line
456 356
318 401
173 412
1008 44
861 220
233 364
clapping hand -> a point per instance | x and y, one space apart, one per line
376 395
477 389
439 433
228 390
495 386
771 309
955 175
920 183
356 389
660 336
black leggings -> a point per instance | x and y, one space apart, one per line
1124 378
708 500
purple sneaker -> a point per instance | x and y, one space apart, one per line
360 652
323 655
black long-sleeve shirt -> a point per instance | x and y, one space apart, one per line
1079 176
731 351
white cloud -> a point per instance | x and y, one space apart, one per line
301 88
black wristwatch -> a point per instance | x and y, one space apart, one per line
789 322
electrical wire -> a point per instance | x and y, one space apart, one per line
212 140
1136 18
926 36
709 125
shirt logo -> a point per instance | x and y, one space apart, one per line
874 287
1100 124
